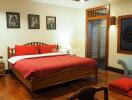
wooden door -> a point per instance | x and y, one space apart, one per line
98 38
93 14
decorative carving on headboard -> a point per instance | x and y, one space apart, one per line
34 43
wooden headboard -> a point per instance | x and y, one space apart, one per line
11 51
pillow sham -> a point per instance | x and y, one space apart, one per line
26 50
47 48
124 84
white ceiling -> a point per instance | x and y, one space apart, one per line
74 4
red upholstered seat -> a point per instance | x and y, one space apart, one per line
122 85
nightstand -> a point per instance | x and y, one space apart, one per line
2 68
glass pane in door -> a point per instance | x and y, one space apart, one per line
102 39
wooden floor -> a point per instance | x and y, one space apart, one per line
12 89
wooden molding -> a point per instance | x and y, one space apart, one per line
8 71
113 69
120 18
113 20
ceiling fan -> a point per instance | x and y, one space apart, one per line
80 0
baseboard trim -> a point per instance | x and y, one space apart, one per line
8 71
113 69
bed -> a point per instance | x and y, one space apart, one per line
55 77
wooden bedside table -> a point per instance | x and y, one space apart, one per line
2 68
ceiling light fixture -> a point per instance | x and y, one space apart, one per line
80 0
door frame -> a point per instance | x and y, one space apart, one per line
91 15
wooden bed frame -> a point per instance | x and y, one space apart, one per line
56 78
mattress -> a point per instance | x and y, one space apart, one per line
40 67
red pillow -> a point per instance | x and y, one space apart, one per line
47 48
124 84
26 50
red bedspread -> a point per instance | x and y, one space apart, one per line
44 66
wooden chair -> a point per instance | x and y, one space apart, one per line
88 93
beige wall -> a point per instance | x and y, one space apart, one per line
70 26
81 27
118 8
65 34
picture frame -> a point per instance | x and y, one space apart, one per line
33 21
124 34
51 22
13 19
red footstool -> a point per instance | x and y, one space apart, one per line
122 85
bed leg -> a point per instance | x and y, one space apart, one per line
96 75
32 93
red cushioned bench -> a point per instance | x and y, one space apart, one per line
122 85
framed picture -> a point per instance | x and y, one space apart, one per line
125 34
13 20
33 21
51 22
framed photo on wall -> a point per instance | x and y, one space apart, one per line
51 22
125 34
33 21
13 19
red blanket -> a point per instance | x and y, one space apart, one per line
44 66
